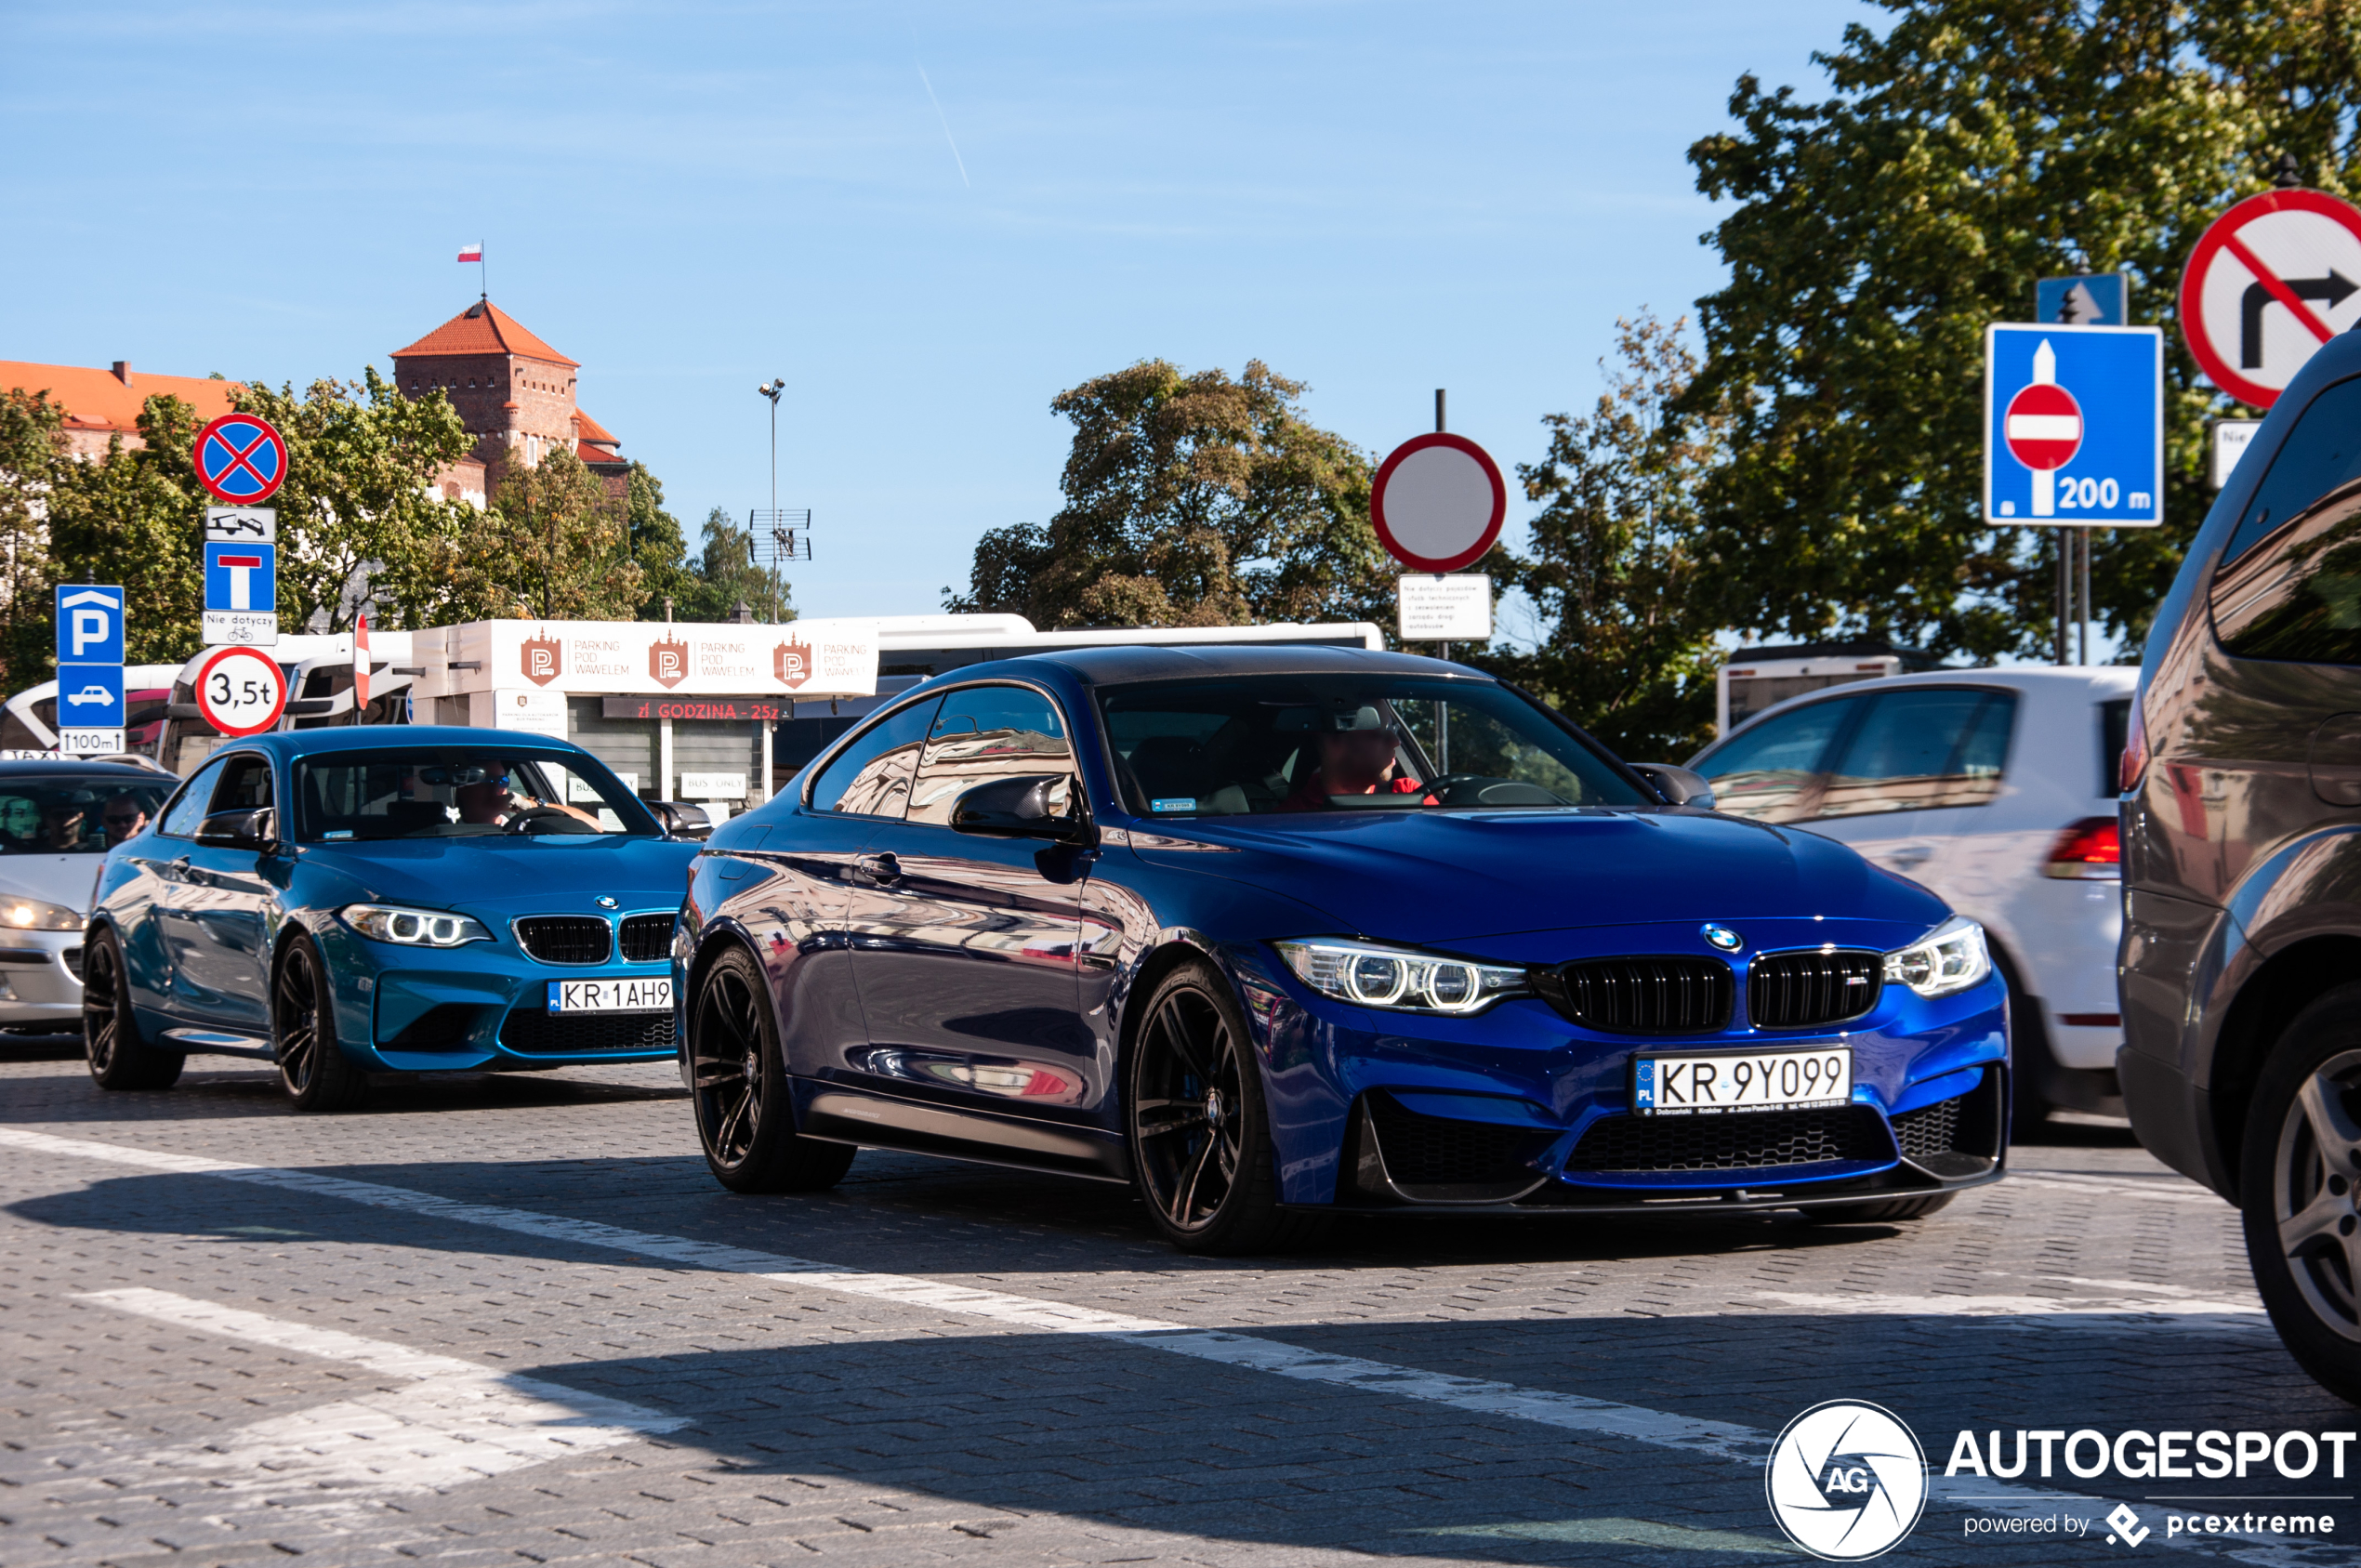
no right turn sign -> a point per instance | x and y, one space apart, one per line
2269 282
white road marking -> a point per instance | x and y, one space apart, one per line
1544 1406
453 1422
2036 1307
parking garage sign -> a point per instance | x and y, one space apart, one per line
90 705
2073 426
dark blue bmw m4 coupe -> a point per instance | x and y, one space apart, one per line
1275 932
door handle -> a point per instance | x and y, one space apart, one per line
880 868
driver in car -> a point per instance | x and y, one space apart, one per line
1356 761
489 802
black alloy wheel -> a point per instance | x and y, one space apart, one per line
1201 1153
738 1084
119 1058
2300 1189
312 1067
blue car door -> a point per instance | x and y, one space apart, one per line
147 913
214 926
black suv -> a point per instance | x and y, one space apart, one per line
2241 825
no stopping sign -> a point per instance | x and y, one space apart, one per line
1438 502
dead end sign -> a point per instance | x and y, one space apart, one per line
2269 282
241 459
1438 502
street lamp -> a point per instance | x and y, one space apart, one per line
772 388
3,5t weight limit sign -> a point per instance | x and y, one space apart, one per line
241 692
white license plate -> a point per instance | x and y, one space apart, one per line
1714 1083
648 996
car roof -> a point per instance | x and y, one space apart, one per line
48 767
2099 682
289 743
1123 665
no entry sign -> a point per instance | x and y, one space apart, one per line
2269 282
241 459
2043 427
1438 502
2073 426
239 692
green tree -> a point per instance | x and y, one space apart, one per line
1617 569
136 517
552 545
32 444
359 520
1969 150
726 575
1192 500
657 544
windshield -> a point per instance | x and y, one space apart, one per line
77 813
1271 744
447 793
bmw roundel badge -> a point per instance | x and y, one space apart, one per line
1724 938
606 901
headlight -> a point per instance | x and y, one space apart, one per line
1397 978
411 928
34 915
1951 957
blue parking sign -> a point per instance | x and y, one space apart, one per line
2073 426
90 624
241 577
90 697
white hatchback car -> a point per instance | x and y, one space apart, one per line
1997 789
56 820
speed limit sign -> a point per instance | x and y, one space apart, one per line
239 692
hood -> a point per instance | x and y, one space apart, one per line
1433 877
72 880
555 875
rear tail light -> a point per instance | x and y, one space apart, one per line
2135 748
2091 850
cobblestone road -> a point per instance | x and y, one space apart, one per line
512 1319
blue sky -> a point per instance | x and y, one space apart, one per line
930 218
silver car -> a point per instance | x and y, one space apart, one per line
56 820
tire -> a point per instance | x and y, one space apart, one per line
119 1058
1197 1123
2298 1168
738 1086
1881 1212
314 1069
2029 1062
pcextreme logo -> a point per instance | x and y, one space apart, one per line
1846 1481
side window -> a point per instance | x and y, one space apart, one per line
871 777
987 733
2298 597
189 808
2322 454
2115 733
244 785
1920 749
1766 769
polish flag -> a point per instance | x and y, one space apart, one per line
471 253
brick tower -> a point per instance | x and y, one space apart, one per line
515 394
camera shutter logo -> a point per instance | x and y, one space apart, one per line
792 662
669 661
1846 1481
543 658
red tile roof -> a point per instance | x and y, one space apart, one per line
95 400
590 454
484 328
590 430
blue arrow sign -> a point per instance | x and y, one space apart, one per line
90 696
90 624
241 577
2092 299
2073 426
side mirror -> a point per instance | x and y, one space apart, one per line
255 829
1038 805
681 819
1678 785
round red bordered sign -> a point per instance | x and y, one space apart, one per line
1438 502
2268 283
2044 426
241 692
241 459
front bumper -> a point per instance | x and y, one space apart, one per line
41 980
1520 1110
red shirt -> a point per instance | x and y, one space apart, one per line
1311 795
